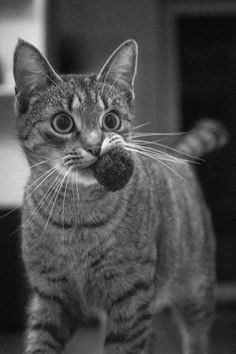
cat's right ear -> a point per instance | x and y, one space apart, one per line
32 72
120 69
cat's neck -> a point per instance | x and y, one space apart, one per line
54 184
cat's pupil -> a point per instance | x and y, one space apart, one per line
111 121
62 123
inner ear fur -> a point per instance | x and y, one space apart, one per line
32 72
121 67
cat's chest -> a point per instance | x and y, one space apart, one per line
103 262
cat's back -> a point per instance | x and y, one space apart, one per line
184 240
175 194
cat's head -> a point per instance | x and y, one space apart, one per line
72 121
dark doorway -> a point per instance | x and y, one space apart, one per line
207 49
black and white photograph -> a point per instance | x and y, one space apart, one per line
117 177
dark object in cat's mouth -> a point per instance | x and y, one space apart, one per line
114 169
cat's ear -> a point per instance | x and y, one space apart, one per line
120 69
32 72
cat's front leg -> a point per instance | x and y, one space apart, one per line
49 324
129 330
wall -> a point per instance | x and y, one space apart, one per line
87 32
18 19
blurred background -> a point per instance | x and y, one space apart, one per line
186 71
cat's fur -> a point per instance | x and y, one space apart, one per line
89 252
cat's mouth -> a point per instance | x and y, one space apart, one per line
112 170
83 176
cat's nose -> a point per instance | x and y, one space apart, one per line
94 150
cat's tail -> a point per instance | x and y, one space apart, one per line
206 136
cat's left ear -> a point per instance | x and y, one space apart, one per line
32 72
120 69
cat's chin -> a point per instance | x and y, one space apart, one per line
83 177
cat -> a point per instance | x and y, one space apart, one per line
92 254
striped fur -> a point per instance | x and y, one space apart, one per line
206 136
88 251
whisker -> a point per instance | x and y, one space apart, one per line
37 208
140 134
156 159
133 138
179 152
161 154
43 200
47 174
141 125
146 141
77 188
37 180
37 187
40 163
138 141
9 212
171 169
59 185
63 204
154 150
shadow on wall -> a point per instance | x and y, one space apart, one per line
13 289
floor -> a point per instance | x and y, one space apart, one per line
223 337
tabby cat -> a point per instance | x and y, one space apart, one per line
91 253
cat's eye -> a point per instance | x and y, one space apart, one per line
111 121
62 123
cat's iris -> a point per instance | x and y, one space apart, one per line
111 121
62 123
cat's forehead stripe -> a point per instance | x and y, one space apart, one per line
109 100
65 105
82 96
69 102
93 96
75 103
101 103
